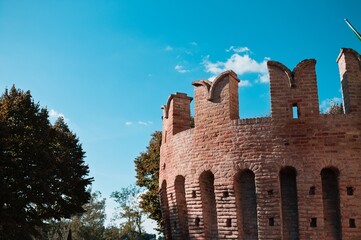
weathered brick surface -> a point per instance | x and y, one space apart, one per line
264 178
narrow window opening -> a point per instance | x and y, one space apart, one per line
271 221
270 192
181 206
312 190
289 203
197 221
210 222
163 166
175 224
352 223
165 210
194 195
225 194
229 222
350 191
246 202
165 136
295 111
331 202
313 222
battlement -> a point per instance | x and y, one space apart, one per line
216 102
277 177
349 62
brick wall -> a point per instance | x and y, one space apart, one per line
280 177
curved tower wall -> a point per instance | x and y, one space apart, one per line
279 177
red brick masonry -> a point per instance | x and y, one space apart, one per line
278 177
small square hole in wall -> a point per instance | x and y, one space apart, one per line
295 111
225 194
270 192
313 222
197 221
194 195
229 222
352 223
312 190
350 191
271 221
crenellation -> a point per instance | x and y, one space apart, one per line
216 101
176 115
277 177
293 89
349 62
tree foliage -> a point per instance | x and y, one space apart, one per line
86 226
91 222
335 108
41 166
147 168
129 211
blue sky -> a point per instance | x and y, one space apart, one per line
108 66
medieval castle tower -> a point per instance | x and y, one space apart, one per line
278 177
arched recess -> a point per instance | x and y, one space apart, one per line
206 182
246 202
289 203
165 209
331 203
181 206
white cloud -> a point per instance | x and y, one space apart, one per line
188 52
240 64
143 123
212 78
238 49
54 115
168 48
194 43
326 104
263 78
180 69
244 83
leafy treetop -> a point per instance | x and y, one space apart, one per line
41 166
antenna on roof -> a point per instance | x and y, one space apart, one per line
353 29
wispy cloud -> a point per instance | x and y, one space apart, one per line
326 104
168 48
54 115
263 78
180 69
143 123
194 43
244 83
241 63
237 49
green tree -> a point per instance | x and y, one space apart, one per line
335 108
129 211
87 226
41 166
112 233
147 168
90 225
